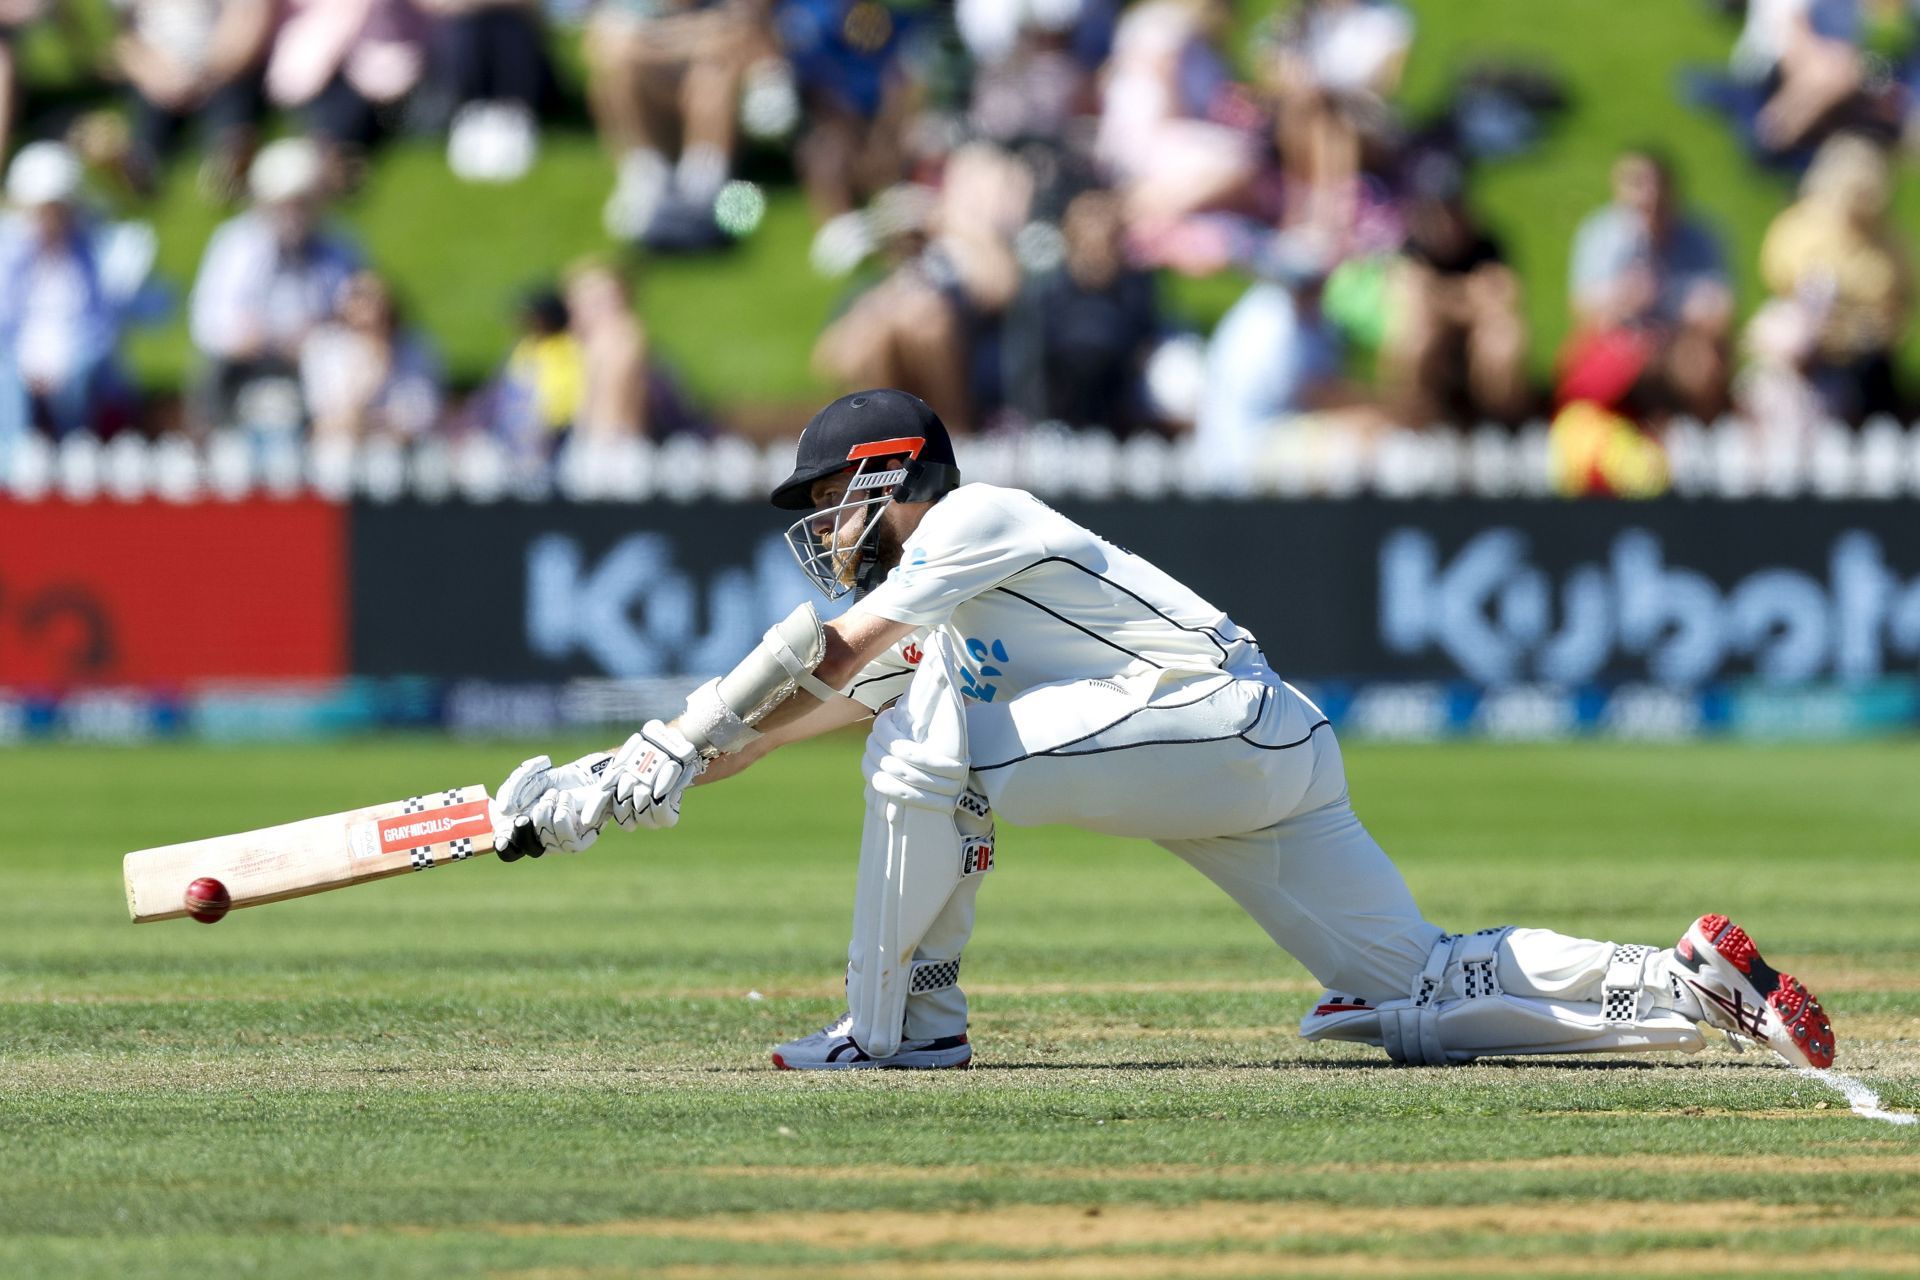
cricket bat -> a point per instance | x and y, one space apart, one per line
318 854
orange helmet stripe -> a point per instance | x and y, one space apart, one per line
909 445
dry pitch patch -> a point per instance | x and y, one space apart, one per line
561 1073
1231 1239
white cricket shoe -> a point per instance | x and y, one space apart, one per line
1739 993
832 1049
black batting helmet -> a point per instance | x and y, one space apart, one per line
882 423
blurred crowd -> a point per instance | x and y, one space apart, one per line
1005 187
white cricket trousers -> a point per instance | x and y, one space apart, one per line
1241 777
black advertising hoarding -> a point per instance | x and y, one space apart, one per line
1497 593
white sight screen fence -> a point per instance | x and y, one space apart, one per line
1728 460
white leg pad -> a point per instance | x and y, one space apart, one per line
1457 1011
936 1006
912 854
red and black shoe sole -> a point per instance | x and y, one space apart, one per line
1797 1010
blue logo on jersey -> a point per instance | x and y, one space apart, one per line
986 653
916 560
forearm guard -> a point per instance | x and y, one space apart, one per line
720 714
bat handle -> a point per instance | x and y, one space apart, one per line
525 844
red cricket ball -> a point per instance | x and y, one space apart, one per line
208 900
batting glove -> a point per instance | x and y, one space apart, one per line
569 821
514 802
651 773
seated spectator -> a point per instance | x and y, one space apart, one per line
1036 64
661 72
1652 306
1335 65
493 67
1158 135
538 394
269 277
58 328
932 326
1080 335
1837 260
906 332
1803 57
613 355
857 98
582 372
530 405
1455 345
193 59
341 64
15 17
1273 356
363 375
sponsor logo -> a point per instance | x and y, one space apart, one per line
974 679
1342 1005
634 612
1751 1019
363 840
1503 619
415 830
976 857
911 653
908 569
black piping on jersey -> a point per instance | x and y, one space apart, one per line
1138 657
1301 741
885 675
1266 696
1213 636
1159 706
1211 633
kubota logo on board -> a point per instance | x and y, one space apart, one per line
1501 618
637 611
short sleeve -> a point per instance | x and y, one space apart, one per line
971 541
887 676
1595 259
1700 248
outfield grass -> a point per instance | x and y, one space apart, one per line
558 1069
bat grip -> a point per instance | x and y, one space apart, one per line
525 844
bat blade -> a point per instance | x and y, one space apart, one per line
313 855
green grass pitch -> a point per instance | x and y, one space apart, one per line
556 1069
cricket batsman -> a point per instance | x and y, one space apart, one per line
1018 667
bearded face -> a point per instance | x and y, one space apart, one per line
854 536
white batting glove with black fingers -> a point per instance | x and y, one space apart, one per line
569 821
513 803
651 773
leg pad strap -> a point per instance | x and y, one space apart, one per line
1626 980
934 975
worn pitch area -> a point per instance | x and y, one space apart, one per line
557 1069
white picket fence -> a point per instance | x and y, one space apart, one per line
1727 460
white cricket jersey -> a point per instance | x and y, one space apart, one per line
1028 597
